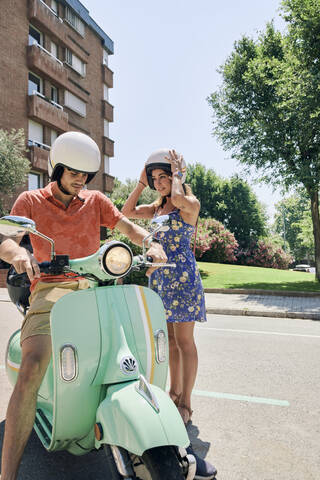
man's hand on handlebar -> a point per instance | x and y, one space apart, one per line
24 261
157 253
19 257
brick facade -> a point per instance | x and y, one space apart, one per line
18 58
77 39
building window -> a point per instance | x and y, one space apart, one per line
106 164
54 94
75 21
54 49
54 6
35 37
54 135
35 84
105 58
35 180
74 62
105 128
74 103
105 92
35 133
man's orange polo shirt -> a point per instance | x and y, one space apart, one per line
75 229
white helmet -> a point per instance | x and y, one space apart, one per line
157 160
76 151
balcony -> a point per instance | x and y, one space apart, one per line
108 147
49 113
107 76
43 17
107 110
108 183
45 64
38 155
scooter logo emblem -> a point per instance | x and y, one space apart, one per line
128 365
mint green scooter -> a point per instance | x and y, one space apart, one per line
105 384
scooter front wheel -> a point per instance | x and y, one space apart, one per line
112 467
163 463
155 464
113 471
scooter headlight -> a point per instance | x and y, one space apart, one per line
115 259
161 346
68 363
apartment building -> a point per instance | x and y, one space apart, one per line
54 77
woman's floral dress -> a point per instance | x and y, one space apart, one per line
180 288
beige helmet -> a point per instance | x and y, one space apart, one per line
76 151
157 160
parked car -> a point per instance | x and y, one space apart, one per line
302 268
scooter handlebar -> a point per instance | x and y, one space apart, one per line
57 266
44 267
139 262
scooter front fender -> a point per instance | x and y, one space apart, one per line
128 420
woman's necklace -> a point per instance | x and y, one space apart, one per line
168 207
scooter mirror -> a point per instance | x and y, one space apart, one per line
13 226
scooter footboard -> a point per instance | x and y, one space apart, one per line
138 418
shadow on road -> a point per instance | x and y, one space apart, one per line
200 447
38 464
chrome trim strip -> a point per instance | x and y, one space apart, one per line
156 335
145 391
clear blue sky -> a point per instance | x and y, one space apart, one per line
165 66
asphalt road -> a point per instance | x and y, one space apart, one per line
256 403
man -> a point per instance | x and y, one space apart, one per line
72 217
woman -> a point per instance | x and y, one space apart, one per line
180 288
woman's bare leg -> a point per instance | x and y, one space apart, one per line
188 364
174 365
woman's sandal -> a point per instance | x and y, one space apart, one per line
175 397
185 408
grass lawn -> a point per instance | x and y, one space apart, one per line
217 275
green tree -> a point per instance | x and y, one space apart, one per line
121 192
306 233
293 222
230 201
14 166
207 186
244 216
267 109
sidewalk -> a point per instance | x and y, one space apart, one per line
297 305
4 297
273 304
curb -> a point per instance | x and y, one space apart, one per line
259 313
278 293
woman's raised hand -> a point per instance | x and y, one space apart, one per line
175 161
143 178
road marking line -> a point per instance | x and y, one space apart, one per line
259 332
242 398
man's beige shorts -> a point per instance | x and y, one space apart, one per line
42 299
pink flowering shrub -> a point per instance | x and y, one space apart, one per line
264 254
214 242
